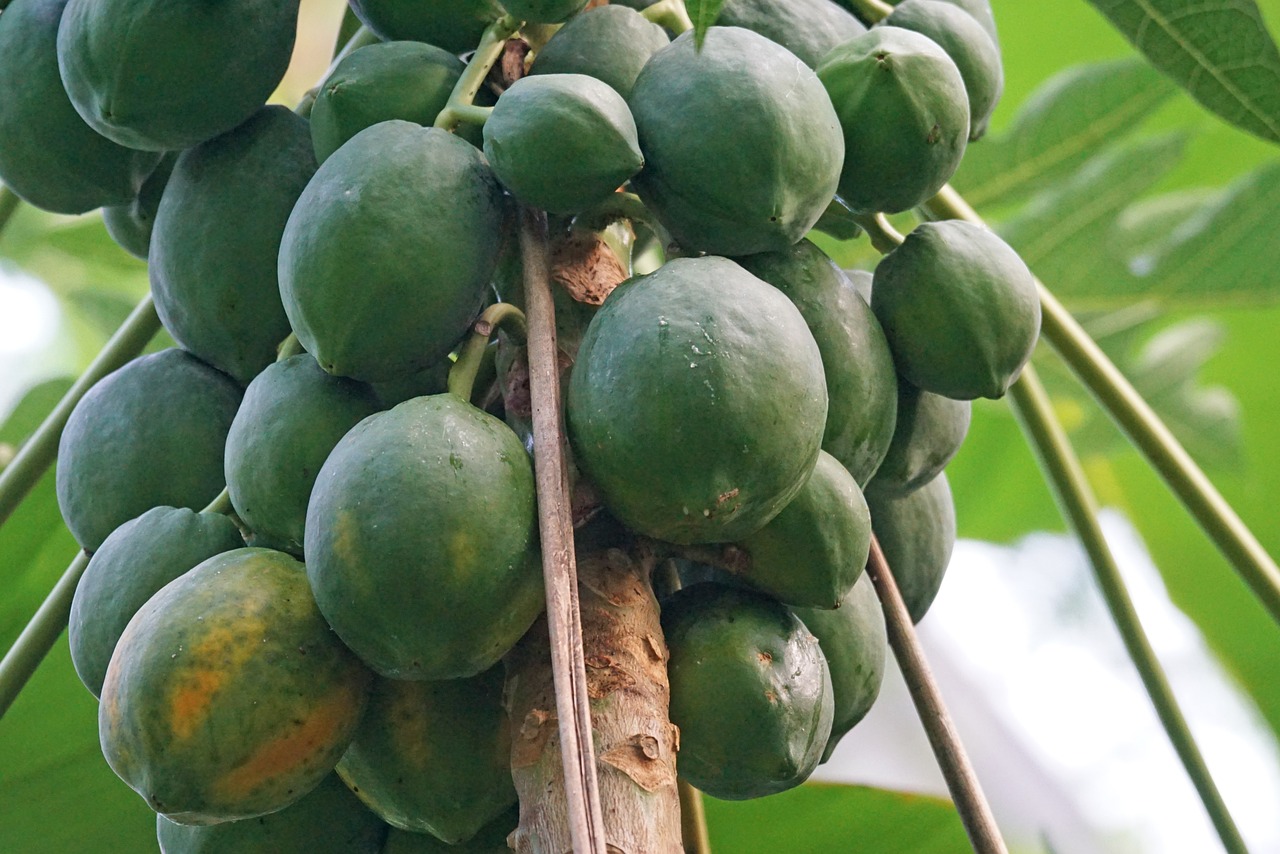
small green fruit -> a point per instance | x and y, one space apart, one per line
609 43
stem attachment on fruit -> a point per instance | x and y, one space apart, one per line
970 802
884 237
1032 406
670 14
501 315
289 347
488 52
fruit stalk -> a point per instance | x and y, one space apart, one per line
693 820
9 203
488 52
38 637
670 14
970 802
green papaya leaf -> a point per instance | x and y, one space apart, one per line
703 13
1220 52
30 410
1147 223
1059 127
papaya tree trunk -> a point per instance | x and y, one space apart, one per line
626 658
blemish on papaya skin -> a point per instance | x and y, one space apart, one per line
209 665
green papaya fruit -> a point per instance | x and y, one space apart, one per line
380 82
960 309
228 697
130 225
720 182
217 238
974 52
929 432
492 839
433 379
48 155
861 380
853 640
422 251
697 402
329 820
140 557
750 692
813 552
904 114
420 540
917 533
148 434
807 28
162 76
979 9
455 25
609 43
562 142
292 415
543 11
434 757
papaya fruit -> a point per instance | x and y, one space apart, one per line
162 76
807 28
227 696
742 147
292 415
609 43
974 52
905 117
543 11
419 540
380 82
422 251
562 142
455 25
980 10
430 380
861 380
750 692
960 309
929 432
697 402
434 757
140 557
813 552
130 225
150 433
329 820
853 640
917 533
492 839
217 238
48 155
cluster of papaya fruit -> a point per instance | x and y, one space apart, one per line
740 403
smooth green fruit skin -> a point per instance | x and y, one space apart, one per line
697 402
130 225
813 552
380 82
48 155
148 434
543 11
162 76
862 382
750 692
904 114
742 147
807 28
140 557
381 276
329 820
216 241
455 25
928 434
228 697
430 380
609 43
917 533
492 839
974 52
292 415
434 757
419 540
562 142
854 641
960 309
979 9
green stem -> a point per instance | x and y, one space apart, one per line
670 14
1148 433
290 346
693 820
220 505
462 376
870 11
488 52
38 452
884 237
1066 477
619 206
362 37
41 633
470 114
9 203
